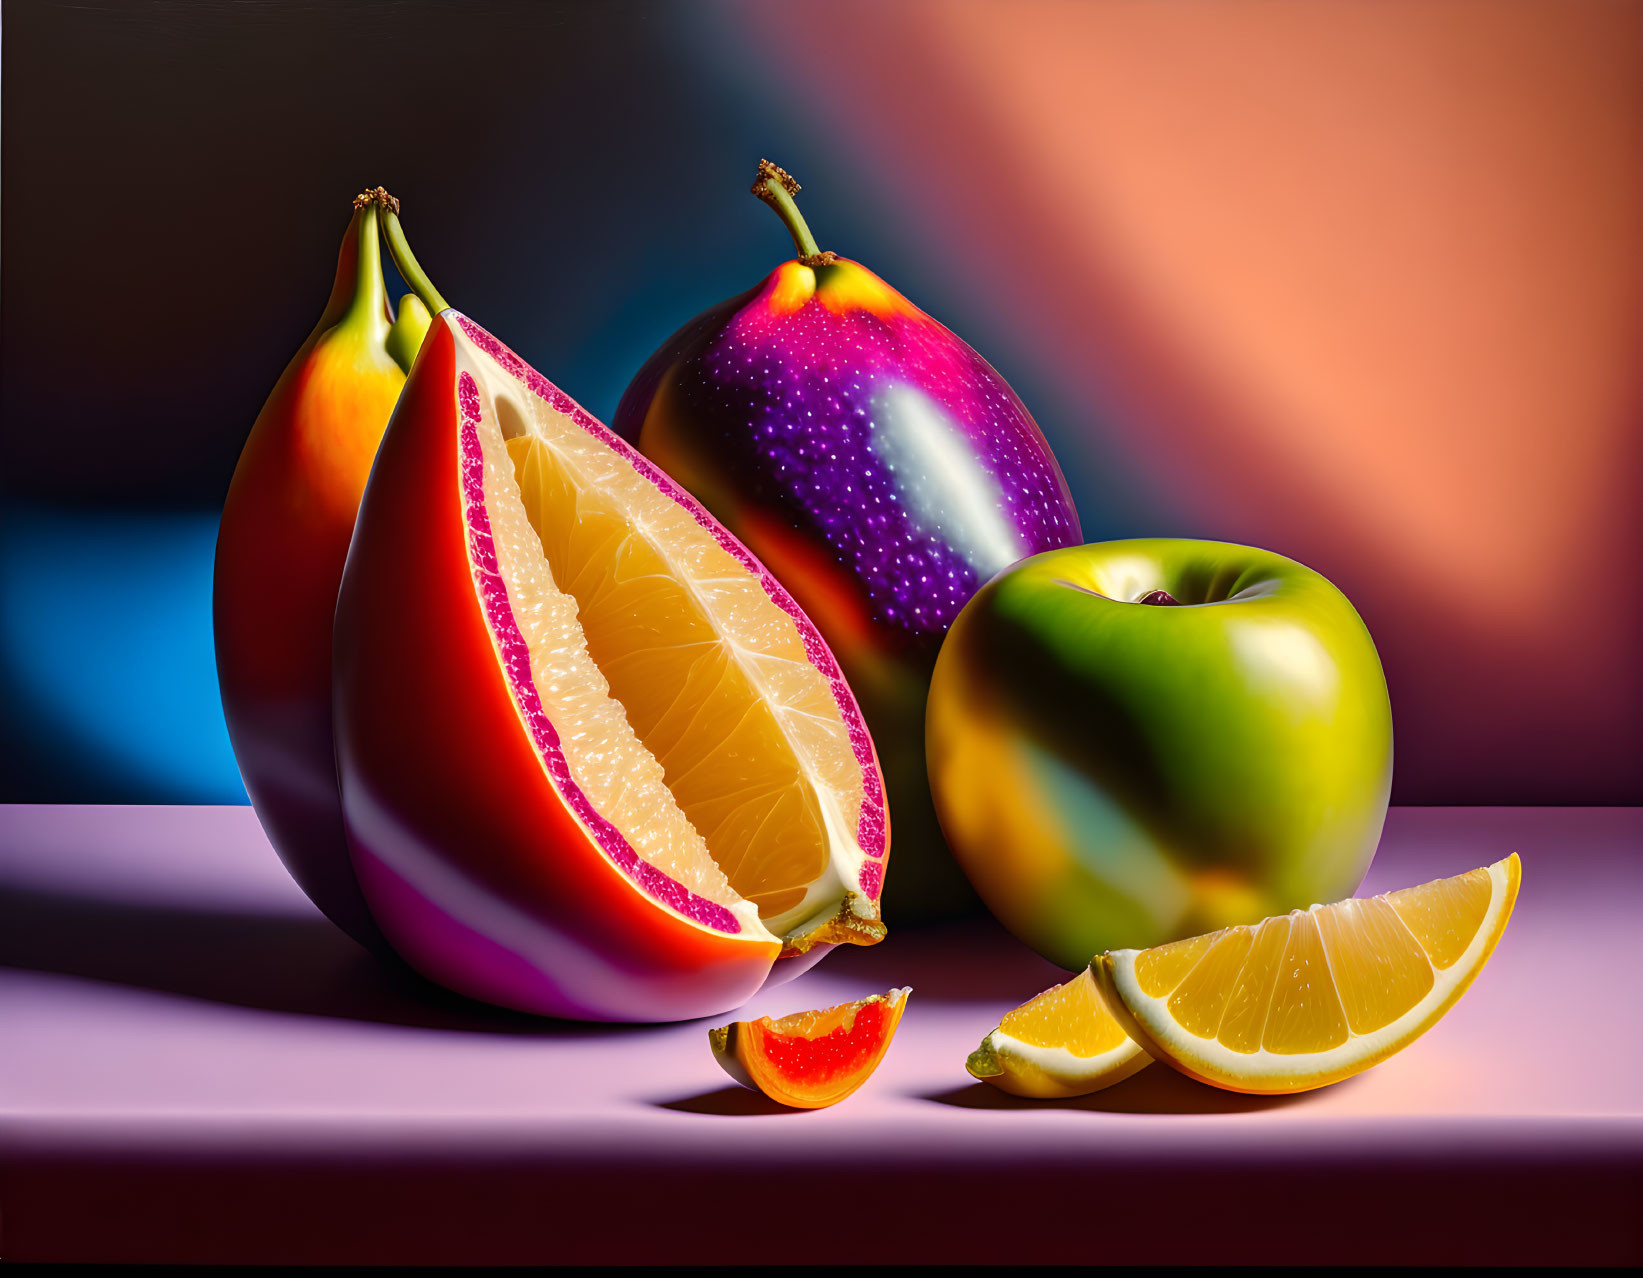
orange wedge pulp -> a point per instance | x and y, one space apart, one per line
1063 1043
1314 996
810 1060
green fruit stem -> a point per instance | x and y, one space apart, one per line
410 270
359 300
369 293
777 187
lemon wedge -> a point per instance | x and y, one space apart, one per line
1306 999
1063 1043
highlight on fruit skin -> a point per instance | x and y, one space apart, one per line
281 543
1062 1043
595 762
1315 996
876 463
809 1060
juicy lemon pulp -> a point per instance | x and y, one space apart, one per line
687 707
1307 981
1072 1016
1062 1043
1310 997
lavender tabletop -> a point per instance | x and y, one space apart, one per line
196 1066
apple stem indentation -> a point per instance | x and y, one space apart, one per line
1159 598
777 187
1062 581
404 260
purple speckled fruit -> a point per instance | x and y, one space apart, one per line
879 466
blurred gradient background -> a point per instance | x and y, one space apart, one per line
1359 281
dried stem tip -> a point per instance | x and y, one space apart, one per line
767 172
378 196
776 187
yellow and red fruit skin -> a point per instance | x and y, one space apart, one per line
880 468
477 871
281 544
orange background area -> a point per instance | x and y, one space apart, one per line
1361 282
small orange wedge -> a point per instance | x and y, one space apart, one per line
810 1060
1314 996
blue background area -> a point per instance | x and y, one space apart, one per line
582 216
110 688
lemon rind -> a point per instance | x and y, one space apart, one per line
1211 1061
1030 1069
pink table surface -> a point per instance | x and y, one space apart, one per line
195 1066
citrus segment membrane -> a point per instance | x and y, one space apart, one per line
1444 916
1064 1042
684 689
1161 969
1243 1020
1314 996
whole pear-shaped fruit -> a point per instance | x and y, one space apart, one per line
877 464
280 549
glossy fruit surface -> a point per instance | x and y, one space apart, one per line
810 1060
1114 772
1309 998
280 549
877 464
595 762
1063 1043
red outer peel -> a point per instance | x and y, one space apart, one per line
478 872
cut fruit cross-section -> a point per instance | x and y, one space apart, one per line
1314 996
595 760
810 1060
1062 1043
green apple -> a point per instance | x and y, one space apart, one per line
1137 741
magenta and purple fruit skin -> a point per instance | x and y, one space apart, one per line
881 468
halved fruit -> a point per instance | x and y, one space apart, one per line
1314 996
1063 1043
595 761
810 1060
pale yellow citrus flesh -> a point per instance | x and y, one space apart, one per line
1314 996
1070 1016
687 708
1064 1042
